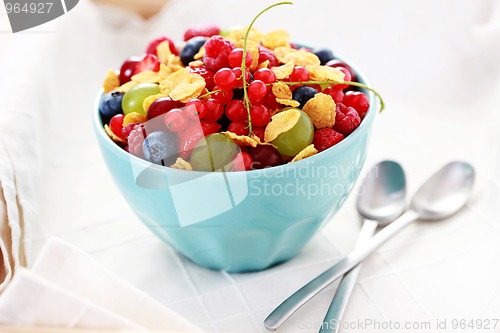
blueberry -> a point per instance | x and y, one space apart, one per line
303 94
110 105
324 55
160 148
191 48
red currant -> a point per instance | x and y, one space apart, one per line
266 54
259 132
237 73
236 111
335 63
299 74
270 101
239 128
176 120
337 94
214 110
225 79
265 75
358 101
260 115
195 109
256 91
236 57
223 96
116 125
127 129
347 77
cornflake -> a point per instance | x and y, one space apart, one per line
182 85
126 86
280 123
241 140
284 71
325 73
196 63
111 82
281 90
300 57
113 136
239 34
288 102
321 109
304 153
146 76
276 39
163 51
200 53
181 165
149 100
264 64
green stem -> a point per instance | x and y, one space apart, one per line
209 93
243 61
351 83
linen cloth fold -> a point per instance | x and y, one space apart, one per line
67 288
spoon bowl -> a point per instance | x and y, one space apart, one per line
445 192
382 196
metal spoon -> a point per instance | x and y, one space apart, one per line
381 200
442 195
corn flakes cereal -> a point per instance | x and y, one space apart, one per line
276 39
200 53
281 90
321 109
280 123
238 34
111 82
196 63
324 73
146 76
149 100
133 117
241 140
163 51
264 64
284 71
182 85
304 153
113 137
288 102
181 165
300 57
126 86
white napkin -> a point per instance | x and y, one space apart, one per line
67 288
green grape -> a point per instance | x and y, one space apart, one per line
291 142
133 99
213 152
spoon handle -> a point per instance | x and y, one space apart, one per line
331 322
308 291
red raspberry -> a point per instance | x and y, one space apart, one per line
135 140
204 30
325 138
266 54
358 101
346 120
188 138
217 50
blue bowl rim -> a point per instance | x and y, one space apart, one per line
344 144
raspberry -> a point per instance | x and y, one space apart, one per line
188 138
135 140
205 30
325 138
217 50
346 119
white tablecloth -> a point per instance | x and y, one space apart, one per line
437 66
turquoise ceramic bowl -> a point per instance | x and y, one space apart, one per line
239 221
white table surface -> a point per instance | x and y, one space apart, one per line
442 103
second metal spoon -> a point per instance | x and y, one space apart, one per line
381 200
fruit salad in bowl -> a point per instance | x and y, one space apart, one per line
234 146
